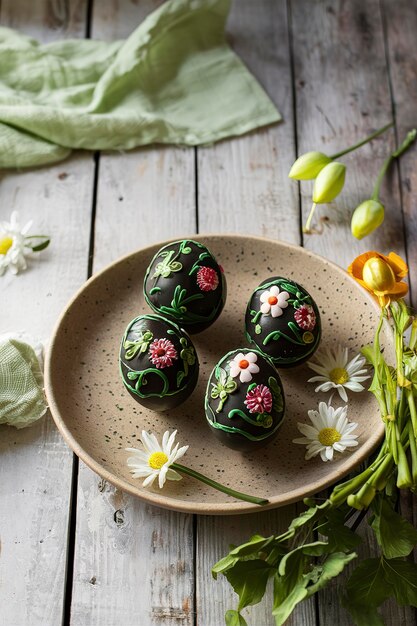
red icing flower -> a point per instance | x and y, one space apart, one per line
207 279
305 317
162 353
259 400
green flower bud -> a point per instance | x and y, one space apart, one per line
366 218
308 165
329 182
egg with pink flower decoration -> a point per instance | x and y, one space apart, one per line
283 321
185 284
158 362
244 401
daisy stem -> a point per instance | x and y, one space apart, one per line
212 483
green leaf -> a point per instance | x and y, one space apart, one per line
233 618
258 329
401 576
340 538
254 545
363 615
331 567
396 536
283 610
367 585
249 580
223 565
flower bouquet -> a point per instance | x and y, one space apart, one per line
320 542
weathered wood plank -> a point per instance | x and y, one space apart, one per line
36 464
342 94
134 563
243 187
400 20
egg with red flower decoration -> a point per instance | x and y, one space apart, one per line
283 321
244 401
158 362
185 284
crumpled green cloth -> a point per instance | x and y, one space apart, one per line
174 80
22 399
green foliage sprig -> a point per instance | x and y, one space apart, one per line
321 541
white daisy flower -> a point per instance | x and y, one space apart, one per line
331 431
13 246
155 460
337 372
274 301
244 365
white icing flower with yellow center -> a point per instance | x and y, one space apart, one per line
331 431
335 371
13 246
274 301
155 460
244 365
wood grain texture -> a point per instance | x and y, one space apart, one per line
243 183
243 187
400 19
342 83
46 20
134 564
35 463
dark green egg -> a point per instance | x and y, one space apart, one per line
244 402
186 285
158 362
283 321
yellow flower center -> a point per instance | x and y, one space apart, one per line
339 376
329 436
157 460
378 275
5 244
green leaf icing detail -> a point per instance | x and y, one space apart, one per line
258 329
139 346
225 386
278 400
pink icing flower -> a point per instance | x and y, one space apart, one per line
305 317
259 400
207 279
162 353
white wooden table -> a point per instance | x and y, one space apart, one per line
74 550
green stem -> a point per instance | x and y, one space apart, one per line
413 411
218 486
306 228
394 155
362 142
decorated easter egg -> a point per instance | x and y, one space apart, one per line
283 321
158 362
244 401
185 284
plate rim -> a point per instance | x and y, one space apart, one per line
160 499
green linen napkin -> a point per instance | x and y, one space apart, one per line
174 80
22 400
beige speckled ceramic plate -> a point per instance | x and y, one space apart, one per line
99 419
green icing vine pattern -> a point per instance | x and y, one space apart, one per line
297 338
226 385
140 345
179 304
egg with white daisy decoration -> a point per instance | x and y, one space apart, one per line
283 321
158 362
244 400
185 284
